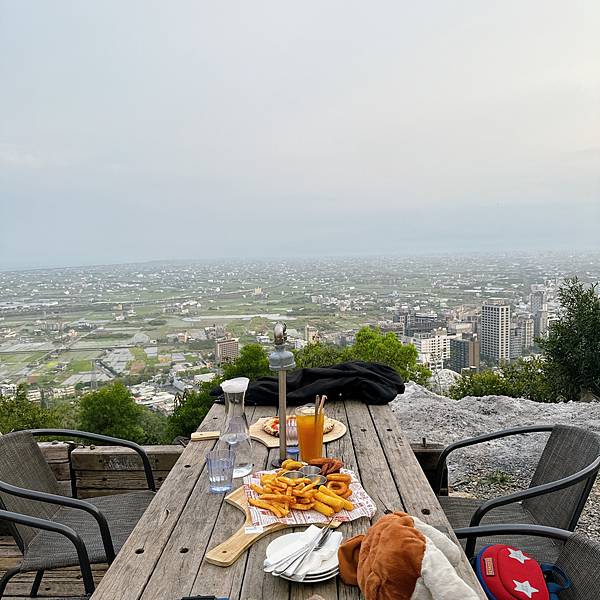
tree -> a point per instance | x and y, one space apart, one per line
19 413
190 412
112 411
154 427
319 355
372 346
572 347
375 346
252 363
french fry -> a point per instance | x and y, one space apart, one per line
302 506
336 503
303 500
345 503
291 464
304 494
310 486
339 477
276 498
283 508
257 489
289 491
266 505
324 509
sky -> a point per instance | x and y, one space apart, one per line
135 130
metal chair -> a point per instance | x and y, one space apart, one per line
577 556
556 495
56 531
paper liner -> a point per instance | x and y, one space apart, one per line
363 506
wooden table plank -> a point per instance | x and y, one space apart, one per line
373 469
128 575
257 584
211 579
176 569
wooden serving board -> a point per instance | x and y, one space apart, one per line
258 434
226 553
230 550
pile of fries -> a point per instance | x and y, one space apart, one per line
280 494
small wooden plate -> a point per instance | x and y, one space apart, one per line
258 434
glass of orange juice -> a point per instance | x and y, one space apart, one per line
309 424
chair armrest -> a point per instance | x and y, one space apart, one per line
538 490
70 503
107 440
472 533
71 534
487 437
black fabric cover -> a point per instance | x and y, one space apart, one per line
367 381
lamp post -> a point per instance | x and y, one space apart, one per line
281 360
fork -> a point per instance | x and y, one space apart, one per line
292 566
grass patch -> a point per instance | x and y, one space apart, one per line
80 366
498 478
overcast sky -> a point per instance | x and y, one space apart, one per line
139 130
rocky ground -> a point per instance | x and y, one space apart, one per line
501 466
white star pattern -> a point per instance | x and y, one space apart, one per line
525 587
517 555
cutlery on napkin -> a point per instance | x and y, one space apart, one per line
297 569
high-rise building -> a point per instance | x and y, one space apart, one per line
540 323
516 341
494 334
464 353
537 300
526 325
433 348
226 350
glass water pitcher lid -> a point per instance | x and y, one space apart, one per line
237 385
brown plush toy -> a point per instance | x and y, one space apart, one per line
402 558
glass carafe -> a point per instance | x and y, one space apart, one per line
236 433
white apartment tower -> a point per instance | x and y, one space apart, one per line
495 332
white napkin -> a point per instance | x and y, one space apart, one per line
307 536
317 557
314 561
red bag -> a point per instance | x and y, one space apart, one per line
509 574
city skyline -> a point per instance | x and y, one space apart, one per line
186 131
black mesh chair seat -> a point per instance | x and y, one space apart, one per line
50 551
580 560
460 510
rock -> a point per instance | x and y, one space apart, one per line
478 471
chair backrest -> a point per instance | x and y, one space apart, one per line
568 450
22 464
580 560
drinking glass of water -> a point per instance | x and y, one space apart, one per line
292 437
220 470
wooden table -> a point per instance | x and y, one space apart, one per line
163 557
